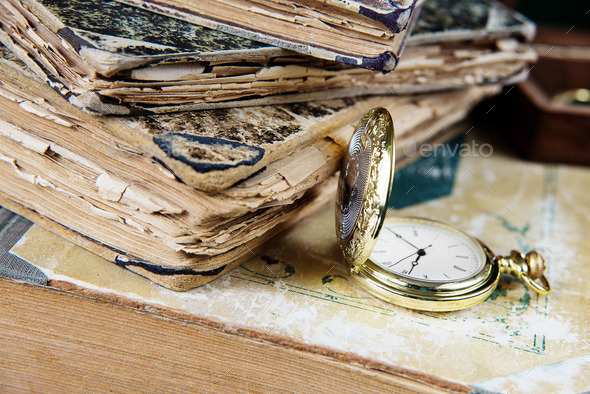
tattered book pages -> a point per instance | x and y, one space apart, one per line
213 150
111 58
112 184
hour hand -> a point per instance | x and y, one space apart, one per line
415 262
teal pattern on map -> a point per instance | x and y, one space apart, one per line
427 178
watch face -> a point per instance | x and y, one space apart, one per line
427 252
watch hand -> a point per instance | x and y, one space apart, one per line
415 263
420 252
397 262
403 239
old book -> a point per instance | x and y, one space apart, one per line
213 150
176 351
361 33
111 58
113 184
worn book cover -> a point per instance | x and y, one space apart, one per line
111 58
360 33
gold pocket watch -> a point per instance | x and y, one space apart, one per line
413 262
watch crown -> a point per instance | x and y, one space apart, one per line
536 264
529 269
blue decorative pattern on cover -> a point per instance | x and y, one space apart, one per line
195 151
396 20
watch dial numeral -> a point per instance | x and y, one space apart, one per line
462 257
459 268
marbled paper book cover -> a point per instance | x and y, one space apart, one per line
361 33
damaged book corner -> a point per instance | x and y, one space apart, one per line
182 194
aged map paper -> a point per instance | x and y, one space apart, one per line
299 287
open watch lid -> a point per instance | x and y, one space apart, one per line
365 185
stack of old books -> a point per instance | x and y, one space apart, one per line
176 138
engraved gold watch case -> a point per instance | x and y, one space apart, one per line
361 206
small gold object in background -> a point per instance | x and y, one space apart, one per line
572 97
